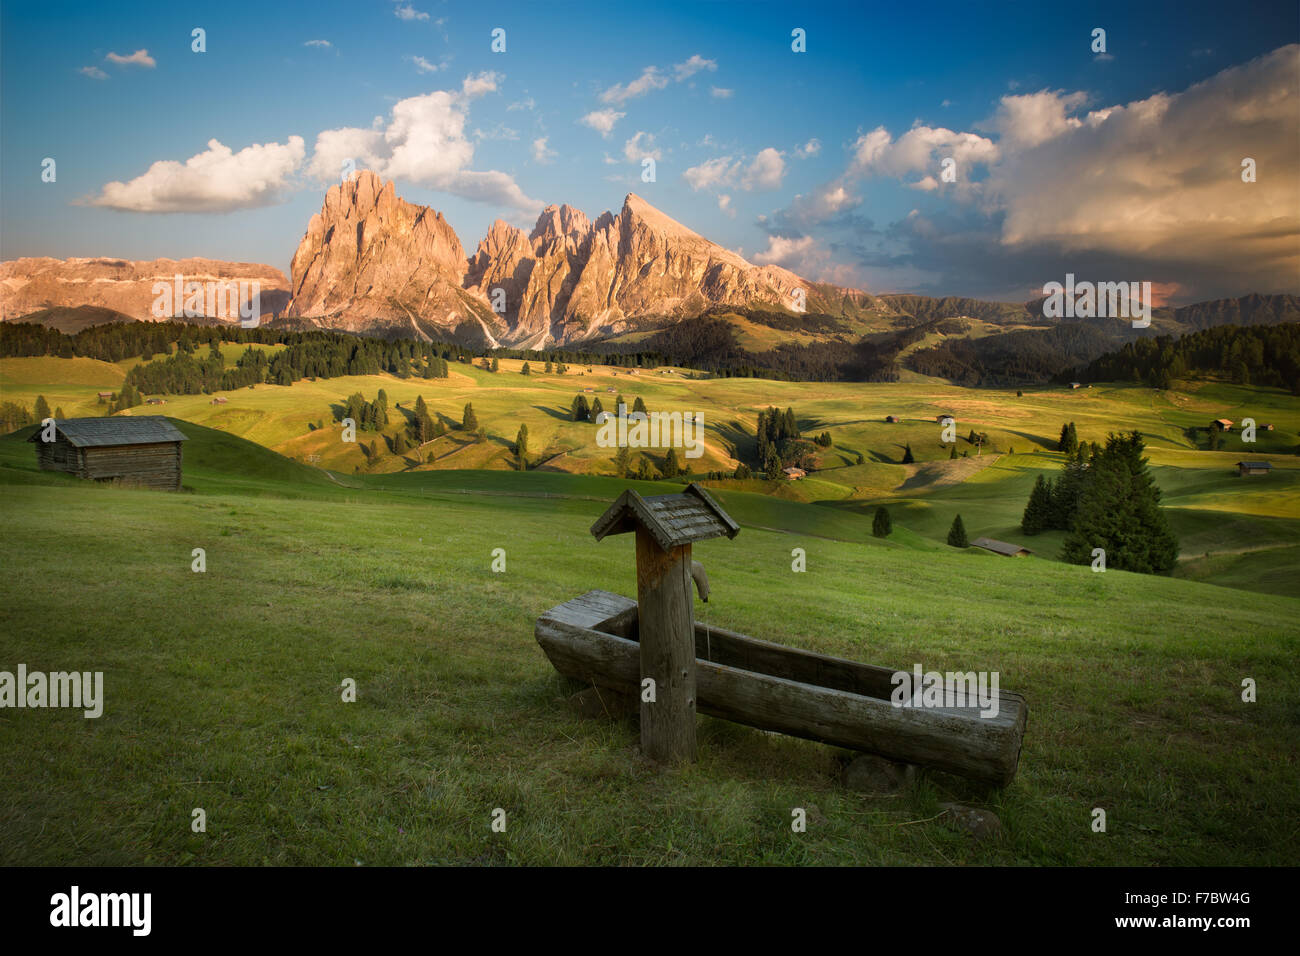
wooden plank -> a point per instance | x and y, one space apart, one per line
591 609
956 741
666 627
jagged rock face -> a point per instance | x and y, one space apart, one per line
29 285
642 262
370 260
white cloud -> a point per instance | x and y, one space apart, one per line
320 43
476 84
602 121
527 103
541 153
408 12
1151 187
810 148
695 64
138 58
217 180
423 142
499 131
650 79
1172 186
781 251
765 172
1034 118
423 65
920 149
722 93
724 203
713 172
637 149
94 72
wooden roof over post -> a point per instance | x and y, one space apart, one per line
125 430
672 520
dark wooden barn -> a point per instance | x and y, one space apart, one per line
144 450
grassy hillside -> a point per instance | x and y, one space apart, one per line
223 692
1234 531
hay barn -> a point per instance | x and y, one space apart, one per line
144 450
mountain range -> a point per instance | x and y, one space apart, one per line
373 263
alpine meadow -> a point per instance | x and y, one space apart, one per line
721 446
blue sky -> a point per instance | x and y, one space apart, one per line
728 110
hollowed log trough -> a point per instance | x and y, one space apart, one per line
594 639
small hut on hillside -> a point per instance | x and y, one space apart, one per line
1001 547
1248 468
144 450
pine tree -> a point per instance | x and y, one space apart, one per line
42 409
672 466
579 411
952 454
957 534
881 526
58 413
1119 511
549 367
597 409
772 463
469 421
622 461
1067 490
521 447
639 406
526 370
496 365
1038 512
907 454
742 471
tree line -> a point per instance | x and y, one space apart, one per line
1250 355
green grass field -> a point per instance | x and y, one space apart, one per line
223 688
1239 532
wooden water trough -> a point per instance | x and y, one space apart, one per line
604 639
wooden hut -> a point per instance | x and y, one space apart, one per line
1001 547
144 450
1249 468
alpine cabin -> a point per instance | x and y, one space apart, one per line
143 451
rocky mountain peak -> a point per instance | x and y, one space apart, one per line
560 221
371 259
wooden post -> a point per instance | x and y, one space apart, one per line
667 635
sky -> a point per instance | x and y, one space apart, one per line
946 149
